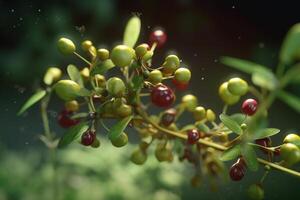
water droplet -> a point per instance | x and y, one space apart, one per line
261 45
195 54
202 78
148 27
20 18
233 7
12 10
26 143
39 10
216 60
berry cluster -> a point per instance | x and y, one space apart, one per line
91 96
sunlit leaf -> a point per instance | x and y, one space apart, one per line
292 75
132 31
231 153
102 67
231 124
265 79
238 117
291 100
83 92
118 128
291 45
266 132
74 74
73 134
250 157
32 100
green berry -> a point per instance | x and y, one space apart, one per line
199 113
292 138
67 90
226 96
155 76
290 153
103 54
182 75
85 45
116 87
85 73
120 141
141 50
100 80
163 154
122 55
210 115
147 56
52 75
256 192
237 86
124 110
66 46
72 106
96 143
190 102
138 157
171 64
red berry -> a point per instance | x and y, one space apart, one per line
249 106
158 36
168 117
237 171
193 136
65 120
265 142
180 86
162 96
88 138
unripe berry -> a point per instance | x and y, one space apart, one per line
124 110
190 102
256 192
226 96
159 37
116 87
168 117
67 90
210 115
85 45
120 141
66 46
64 119
182 75
138 157
180 86
103 54
155 76
290 153
72 106
96 143
249 107
122 55
237 86
88 138
163 154
171 64
292 138
199 113
52 75
193 136
141 50
85 74
162 96
147 56
100 80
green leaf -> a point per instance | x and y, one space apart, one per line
265 79
266 132
231 124
238 118
137 83
291 45
80 115
132 31
231 153
74 74
83 92
291 100
187 127
243 65
31 101
102 67
250 157
119 127
292 75
73 134
203 127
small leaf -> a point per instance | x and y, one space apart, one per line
80 115
118 128
32 100
291 45
73 134
132 31
137 83
289 99
250 157
263 133
238 118
265 79
231 124
74 74
187 127
242 65
102 67
83 92
231 153
203 127
292 75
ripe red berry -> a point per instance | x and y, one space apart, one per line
168 117
162 96
237 172
249 107
180 86
88 138
193 136
158 36
65 120
265 142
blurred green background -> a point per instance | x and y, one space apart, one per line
198 31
